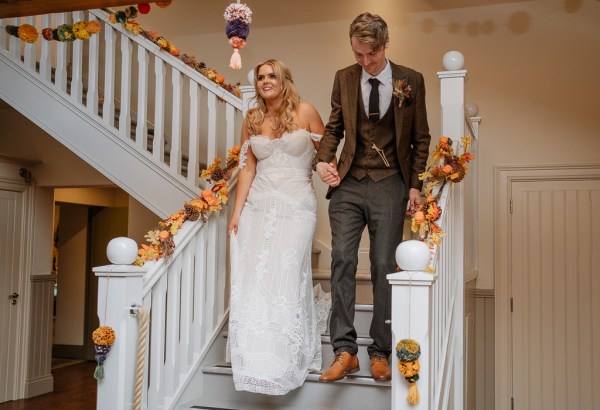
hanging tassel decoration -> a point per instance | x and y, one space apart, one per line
103 338
238 17
236 60
408 352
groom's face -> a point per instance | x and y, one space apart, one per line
373 61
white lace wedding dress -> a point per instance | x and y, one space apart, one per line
273 339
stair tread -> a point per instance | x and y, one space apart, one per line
325 273
360 340
223 367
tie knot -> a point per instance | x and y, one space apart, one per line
374 82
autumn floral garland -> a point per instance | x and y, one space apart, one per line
444 166
127 19
160 240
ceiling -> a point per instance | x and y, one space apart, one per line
16 8
196 18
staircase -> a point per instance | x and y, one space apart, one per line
149 124
357 391
144 122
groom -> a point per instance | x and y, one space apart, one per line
379 107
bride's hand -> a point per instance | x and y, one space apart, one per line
328 173
233 225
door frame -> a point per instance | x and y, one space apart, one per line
505 176
17 184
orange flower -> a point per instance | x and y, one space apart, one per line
419 217
433 212
199 204
467 157
27 33
210 198
220 185
92 27
443 141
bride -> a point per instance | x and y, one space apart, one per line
273 339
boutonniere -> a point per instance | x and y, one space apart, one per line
402 91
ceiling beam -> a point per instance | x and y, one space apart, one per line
18 8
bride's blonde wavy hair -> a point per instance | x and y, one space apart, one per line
283 119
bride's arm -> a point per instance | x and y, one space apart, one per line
316 126
309 115
245 178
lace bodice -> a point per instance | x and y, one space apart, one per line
294 151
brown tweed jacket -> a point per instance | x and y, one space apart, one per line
411 127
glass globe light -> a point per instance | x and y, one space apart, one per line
412 255
121 251
453 60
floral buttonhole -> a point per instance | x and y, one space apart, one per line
402 91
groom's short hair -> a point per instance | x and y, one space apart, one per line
370 29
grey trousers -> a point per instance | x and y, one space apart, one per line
381 207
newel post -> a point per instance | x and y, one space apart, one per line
411 319
452 95
119 287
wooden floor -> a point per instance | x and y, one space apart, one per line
74 389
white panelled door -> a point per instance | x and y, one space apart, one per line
555 290
11 205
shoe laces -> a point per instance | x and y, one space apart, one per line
338 358
379 358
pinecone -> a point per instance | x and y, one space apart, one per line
458 172
217 175
191 213
189 59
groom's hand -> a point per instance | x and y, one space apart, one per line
328 173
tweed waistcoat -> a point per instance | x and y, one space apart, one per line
367 161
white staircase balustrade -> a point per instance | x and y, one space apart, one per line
137 114
184 297
437 300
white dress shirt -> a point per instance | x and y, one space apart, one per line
386 88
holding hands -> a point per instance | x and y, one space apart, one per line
328 173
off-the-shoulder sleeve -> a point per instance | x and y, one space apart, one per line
243 153
315 137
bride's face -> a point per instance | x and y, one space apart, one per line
267 83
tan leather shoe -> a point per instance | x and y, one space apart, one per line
380 369
343 363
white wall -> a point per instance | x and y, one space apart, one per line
532 70
56 164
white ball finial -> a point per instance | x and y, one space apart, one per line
453 60
472 109
121 251
412 255
251 77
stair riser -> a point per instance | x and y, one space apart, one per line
220 393
364 289
362 322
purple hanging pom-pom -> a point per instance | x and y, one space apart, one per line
237 28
